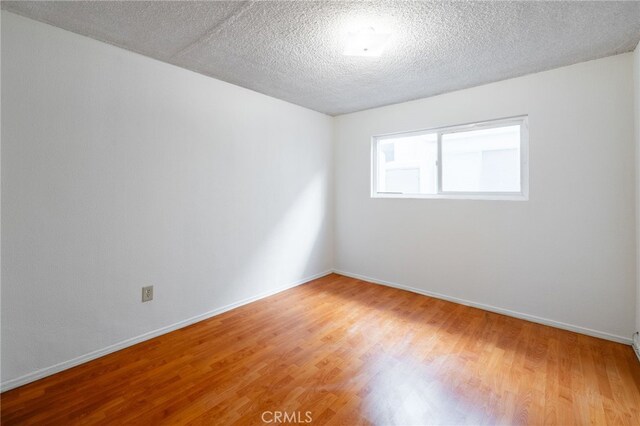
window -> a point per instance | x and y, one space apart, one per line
477 161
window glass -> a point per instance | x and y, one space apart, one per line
408 164
486 160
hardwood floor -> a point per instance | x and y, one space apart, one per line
346 352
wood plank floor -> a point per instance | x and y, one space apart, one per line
349 353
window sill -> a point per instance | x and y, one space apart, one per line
459 196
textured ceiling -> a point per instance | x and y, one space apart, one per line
293 50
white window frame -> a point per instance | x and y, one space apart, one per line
522 195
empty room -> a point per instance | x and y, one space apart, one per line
320 212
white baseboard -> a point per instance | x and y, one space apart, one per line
47 371
515 314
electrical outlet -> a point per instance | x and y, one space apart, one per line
147 293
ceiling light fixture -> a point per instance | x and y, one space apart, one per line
366 42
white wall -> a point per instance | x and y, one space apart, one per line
636 77
119 171
566 256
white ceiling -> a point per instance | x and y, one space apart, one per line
293 50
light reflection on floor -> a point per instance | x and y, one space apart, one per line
408 391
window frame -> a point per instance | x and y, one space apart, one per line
522 195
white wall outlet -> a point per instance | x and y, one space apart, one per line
147 293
